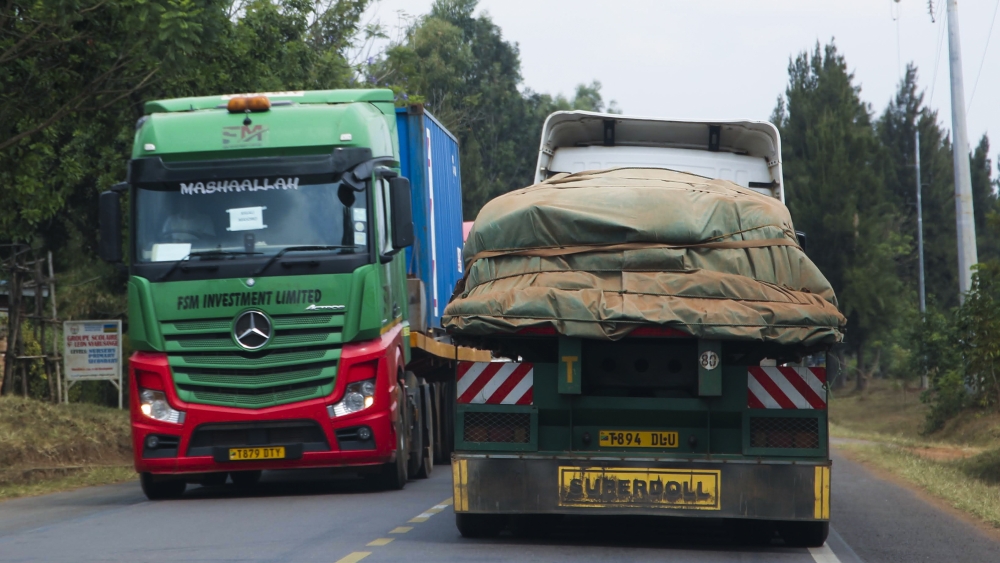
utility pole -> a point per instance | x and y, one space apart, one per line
964 217
920 235
920 245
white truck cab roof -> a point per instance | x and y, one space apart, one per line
742 151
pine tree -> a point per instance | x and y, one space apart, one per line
905 114
837 195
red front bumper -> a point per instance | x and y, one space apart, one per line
379 417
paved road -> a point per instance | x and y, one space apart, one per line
309 517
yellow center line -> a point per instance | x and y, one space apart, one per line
379 542
422 517
354 557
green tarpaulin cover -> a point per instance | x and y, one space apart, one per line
600 253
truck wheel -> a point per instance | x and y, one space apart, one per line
479 525
804 534
416 452
393 476
426 423
414 421
427 465
161 490
245 479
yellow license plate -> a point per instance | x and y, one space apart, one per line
696 489
637 439
254 454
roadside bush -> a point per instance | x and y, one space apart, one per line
984 467
977 325
947 397
961 352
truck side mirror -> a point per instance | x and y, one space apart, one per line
402 212
110 218
801 237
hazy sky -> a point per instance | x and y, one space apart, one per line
729 58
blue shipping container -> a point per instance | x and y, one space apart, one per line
428 156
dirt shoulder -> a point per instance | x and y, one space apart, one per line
46 448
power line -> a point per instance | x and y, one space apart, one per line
983 59
937 57
896 17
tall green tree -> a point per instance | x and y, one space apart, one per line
73 82
836 193
984 201
461 67
905 114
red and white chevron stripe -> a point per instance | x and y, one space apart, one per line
495 383
786 388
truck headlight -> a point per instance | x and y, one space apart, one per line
358 397
154 405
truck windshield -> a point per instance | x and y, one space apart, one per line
249 217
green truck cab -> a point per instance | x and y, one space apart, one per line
269 296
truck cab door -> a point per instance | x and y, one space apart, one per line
390 302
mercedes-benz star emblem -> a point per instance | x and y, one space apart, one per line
252 330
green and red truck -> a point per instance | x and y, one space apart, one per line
660 337
281 247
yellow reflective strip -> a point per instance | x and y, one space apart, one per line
826 493
463 486
818 493
400 529
821 493
456 483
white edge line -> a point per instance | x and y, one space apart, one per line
824 554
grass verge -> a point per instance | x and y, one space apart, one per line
889 411
959 464
46 448
63 479
971 485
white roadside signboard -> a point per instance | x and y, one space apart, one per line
93 352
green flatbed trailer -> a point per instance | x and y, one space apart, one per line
658 423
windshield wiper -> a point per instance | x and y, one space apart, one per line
282 252
204 254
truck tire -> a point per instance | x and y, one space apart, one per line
161 490
414 425
479 525
246 479
427 423
447 422
804 534
393 475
